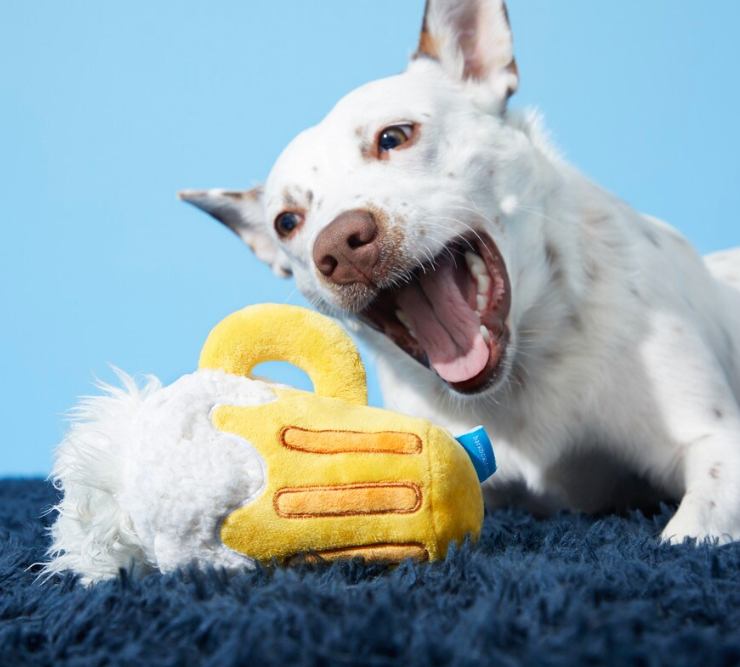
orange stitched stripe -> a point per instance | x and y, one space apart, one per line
383 553
347 500
338 442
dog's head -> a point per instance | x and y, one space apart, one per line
400 208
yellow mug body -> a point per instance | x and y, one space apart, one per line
342 479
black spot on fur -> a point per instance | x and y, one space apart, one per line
309 197
718 413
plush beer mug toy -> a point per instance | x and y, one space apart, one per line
223 469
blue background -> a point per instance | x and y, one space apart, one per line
108 109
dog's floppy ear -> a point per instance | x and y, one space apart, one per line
472 41
242 213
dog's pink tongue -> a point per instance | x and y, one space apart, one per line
445 325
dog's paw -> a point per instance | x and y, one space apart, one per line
696 525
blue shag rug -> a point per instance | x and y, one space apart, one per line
567 591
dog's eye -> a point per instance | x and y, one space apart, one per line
393 137
287 223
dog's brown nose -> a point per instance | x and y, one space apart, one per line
347 251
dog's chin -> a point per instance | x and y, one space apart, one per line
451 314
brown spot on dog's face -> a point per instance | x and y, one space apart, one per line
297 199
290 201
367 151
552 356
712 505
554 261
714 471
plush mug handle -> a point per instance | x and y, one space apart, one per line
273 332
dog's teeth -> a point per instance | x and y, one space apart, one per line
475 263
480 303
404 319
485 333
478 268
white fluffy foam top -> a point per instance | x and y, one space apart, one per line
147 477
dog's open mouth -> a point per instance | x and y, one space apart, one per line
451 314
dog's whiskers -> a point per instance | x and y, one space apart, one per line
466 226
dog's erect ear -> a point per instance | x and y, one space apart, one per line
242 212
472 41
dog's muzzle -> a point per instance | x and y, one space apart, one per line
450 314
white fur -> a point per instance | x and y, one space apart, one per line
147 477
623 343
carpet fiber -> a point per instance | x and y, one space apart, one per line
567 591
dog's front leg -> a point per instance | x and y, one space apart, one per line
710 507
699 414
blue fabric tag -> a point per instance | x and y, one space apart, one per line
478 446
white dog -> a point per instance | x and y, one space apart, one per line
499 286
